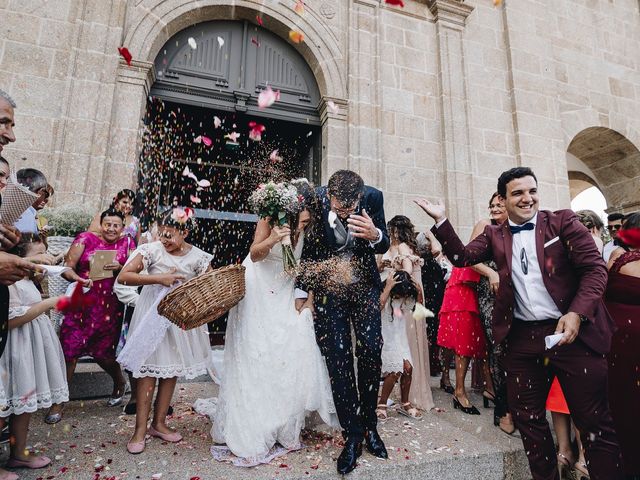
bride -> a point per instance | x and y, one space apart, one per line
274 374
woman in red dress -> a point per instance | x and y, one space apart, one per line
622 298
460 329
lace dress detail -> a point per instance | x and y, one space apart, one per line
273 373
155 347
32 368
405 338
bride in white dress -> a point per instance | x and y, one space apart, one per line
274 374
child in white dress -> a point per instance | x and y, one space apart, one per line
32 369
155 347
397 302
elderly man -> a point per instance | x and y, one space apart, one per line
552 278
37 183
12 267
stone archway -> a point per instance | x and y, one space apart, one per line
151 23
613 162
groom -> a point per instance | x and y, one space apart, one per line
350 224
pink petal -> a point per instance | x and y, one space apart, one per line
267 97
333 108
195 199
217 122
299 7
207 141
204 183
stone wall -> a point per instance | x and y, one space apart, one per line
435 99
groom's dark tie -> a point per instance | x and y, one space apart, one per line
519 228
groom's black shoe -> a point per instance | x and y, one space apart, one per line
350 453
375 445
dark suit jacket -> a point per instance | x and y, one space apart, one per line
320 242
573 271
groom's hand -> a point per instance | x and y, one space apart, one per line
434 210
363 227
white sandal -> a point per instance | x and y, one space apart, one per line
381 412
412 412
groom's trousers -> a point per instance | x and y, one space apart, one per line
335 314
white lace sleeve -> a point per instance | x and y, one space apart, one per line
18 304
17 311
203 262
149 252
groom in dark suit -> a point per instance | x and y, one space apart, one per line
350 224
552 279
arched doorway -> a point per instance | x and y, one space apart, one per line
208 78
602 157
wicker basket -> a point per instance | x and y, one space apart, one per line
205 298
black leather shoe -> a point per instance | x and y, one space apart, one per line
350 453
468 410
375 445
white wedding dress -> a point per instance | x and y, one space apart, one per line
274 374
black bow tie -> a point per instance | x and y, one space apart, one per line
519 228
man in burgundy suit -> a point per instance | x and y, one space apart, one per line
551 282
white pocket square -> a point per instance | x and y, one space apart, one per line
551 242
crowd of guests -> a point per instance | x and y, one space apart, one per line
417 270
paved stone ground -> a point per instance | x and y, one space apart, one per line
90 444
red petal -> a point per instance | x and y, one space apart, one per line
630 236
397 3
124 51
259 20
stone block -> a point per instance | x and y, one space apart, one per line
410 57
396 100
19 27
31 59
621 88
397 150
410 126
57 34
495 141
408 180
58 9
60 67
42 97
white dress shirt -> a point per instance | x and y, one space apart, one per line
533 301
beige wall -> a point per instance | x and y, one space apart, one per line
435 99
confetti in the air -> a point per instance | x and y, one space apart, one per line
333 108
295 36
220 42
255 131
192 43
217 122
259 20
124 51
267 97
395 3
299 7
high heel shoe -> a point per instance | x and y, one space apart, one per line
505 424
487 397
468 410
565 469
447 388
581 471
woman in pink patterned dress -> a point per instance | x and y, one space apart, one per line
95 329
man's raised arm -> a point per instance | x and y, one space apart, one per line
478 251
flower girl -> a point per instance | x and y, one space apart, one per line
156 348
32 370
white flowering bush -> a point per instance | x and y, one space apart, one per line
67 220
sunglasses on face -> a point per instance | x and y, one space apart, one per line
614 228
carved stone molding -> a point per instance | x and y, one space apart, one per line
452 13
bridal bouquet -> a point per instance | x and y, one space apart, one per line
275 201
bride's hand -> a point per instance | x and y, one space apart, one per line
278 233
302 303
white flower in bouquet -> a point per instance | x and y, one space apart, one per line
275 201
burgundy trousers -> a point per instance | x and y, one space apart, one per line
582 374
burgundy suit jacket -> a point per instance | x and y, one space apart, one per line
572 269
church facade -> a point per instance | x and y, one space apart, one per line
433 99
